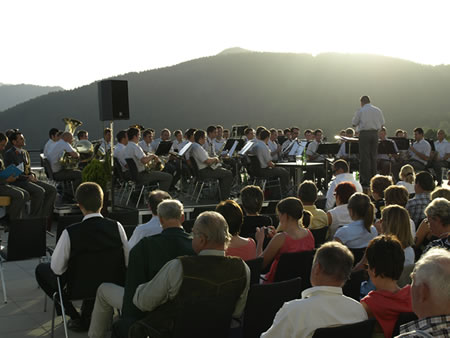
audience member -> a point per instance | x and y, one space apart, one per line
307 193
239 246
378 185
210 278
438 220
339 215
423 187
324 304
358 233
407 178
291 236
441 192
341 171
252 198
430 291
385 259
396 194
153 226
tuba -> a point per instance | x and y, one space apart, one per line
67 161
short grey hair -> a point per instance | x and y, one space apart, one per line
213 226
170 209
433 269
439 207
335 259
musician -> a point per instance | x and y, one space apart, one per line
189 137
400 133
106 140
205 163
18 196
292 135
441 157
178 143
273 145
164 136
309 135
249 134
211 133
82 135
119 149
146 142
368 120
219 141
385 161
311 150
42 195
226 134
52 139
56 153
135 152
352 159
268 168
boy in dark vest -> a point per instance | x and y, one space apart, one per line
102 244
210 284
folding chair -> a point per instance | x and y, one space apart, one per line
203 182
362 329
134 185
295 264
255 266
254 169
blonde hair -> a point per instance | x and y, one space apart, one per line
396 222
407 174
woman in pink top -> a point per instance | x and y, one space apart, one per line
239 246
291 236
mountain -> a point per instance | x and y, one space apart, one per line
271 89
11 95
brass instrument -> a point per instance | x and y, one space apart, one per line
138 126
67 161
154 164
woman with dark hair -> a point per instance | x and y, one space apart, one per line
292 236
339 215
358 233
386 258
252 198
239 246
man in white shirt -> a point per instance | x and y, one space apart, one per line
207 165
106 140
55 154
178 143
146 142
211 134
442 155
52 139
385 161
291 137
311 152
368 120
323 305
164 136
267 167
95 237
153 226
134 151
273 145
119 149
341 171
219 141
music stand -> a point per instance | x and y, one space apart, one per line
180 154
386 147
163 148
328 149
401 142
351 147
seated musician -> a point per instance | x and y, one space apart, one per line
273 145
119 150
211 134
82 135
64 145
106 140
292 136
164 136
42 194
178 143
249 135
226 134
206 163
313 156
385 161
219 141
18 196
146 142
135 152
52 139
441 157
352 159
419 154
309 135
268 168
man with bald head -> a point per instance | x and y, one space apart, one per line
64 145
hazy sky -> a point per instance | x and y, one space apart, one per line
73 43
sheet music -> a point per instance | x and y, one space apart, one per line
246 148
233 148
294 149
185 148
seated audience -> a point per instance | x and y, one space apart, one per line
385 259
378 185
291 236
430 292
399 195
93 236
339 215
252 198
239 246
358 233
307 193
407 178
438 220
152 227
146 259
423 187
210 276
441 192
341 171
324 304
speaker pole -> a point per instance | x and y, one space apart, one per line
111 126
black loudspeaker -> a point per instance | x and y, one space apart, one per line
113 100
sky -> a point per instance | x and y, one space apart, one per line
73 43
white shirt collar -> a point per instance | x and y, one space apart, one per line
321 289
95 214
212 253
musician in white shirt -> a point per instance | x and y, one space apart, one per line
292 136
178 143
273 145
164 136
146 142
119 149
219 141
53 138
106 140
211 133
385 161
441 157
205 163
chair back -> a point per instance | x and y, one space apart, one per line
295 264
118 173
319 235
362 329
403 318
132 168
352 288
254 168
47 167
255 266
263 303
194 167
27 239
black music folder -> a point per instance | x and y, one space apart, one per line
328 148
163 148
352 148
401 142
386 147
